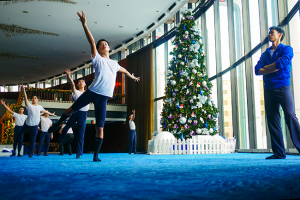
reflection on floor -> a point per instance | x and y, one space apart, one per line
140 176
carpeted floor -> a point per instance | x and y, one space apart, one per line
140 176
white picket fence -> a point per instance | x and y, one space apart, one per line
196 145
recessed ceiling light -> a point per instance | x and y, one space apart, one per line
42 43
120 26
22 77
25 11
107 5
83 52
157 11
137 29
48 15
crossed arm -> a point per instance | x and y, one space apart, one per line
268 69
3 103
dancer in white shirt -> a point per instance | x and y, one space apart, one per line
33 119
46 123
19 122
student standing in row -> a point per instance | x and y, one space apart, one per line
101 88
33 119
79 117
132 133
46 123
275 65
67 140
19 122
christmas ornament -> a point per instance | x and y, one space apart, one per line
173 82
182 120
198 131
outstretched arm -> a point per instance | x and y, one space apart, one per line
133 111
25 96
49 113
88 33
70 80
3 103
124 71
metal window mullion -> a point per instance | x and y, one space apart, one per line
249 76
263 20
233 75
282 13
218 66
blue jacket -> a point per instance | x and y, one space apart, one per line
284 64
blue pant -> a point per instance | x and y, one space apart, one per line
33 132
99 102
80 118
45 136
132 141
273 98
18 139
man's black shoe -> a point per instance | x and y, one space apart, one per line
77 156
274 157
96 159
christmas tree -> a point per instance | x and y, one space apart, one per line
188 108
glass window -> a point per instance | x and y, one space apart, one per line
261 137
32 85
211 53
159 107
228 130
63 79
79 74
160 71
160 31
241 76
3 89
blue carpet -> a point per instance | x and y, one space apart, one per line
122 176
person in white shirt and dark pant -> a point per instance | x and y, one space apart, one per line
132 133
19 122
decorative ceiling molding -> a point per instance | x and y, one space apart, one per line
7 3
9 56
14 30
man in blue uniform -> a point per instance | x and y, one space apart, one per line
275 66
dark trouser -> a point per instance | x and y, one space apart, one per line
67 140
33 132
18 139
80 118
45 136
273 98
132 141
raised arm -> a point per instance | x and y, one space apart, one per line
49 113
25 96
70 81
88 33
133 112
3 103
124 71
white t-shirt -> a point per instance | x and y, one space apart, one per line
33 118
45 124
70 131
19 119
76 96
131 125
272 51
105 75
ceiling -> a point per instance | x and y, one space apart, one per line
41 38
